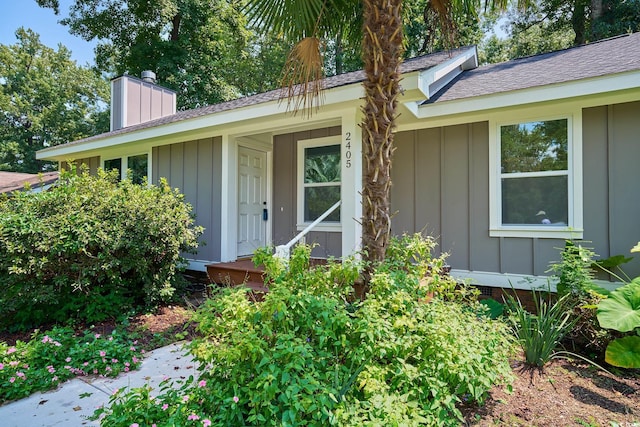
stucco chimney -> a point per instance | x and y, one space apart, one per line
135 101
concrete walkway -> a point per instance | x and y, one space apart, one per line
71 403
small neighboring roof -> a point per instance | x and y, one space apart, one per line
15 181
420 63
605 57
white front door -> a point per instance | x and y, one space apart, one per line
252 200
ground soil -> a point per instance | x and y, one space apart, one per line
565 393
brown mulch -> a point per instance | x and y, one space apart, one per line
168 324
565 393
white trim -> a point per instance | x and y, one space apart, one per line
581 88
258 118
198 265
229 200
351 178
302 144
518 281
574 228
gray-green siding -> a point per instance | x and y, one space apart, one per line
441 184
285 197
92 163
194 167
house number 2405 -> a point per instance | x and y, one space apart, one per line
347 151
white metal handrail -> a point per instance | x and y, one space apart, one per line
284 251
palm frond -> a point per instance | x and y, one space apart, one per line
302 76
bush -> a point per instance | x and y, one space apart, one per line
311 354
89 248
575 284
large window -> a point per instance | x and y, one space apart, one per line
319 180
136 166
535 187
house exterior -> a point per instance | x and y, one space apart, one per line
16 181
501 162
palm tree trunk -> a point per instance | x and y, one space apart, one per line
382 55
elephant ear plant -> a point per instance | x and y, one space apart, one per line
621 312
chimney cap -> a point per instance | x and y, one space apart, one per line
148 76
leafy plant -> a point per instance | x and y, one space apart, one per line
89 248
311 354
493 308
52 357
575 273
621 312
541 333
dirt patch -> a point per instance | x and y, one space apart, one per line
565 393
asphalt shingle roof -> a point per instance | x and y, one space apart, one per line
420 63
605 57
15 181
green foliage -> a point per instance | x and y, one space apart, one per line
550 25
540 334
619 17
90 248
624 352
621 312
311 354
575 276
204 50
494 308
52 357
575 281
46 99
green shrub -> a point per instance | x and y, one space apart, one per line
311 354
89 248
575 275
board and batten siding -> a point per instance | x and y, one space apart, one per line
611 154
194 167
284 217
92 163
441 186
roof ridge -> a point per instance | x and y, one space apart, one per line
566 49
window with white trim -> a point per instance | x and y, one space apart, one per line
137 166
319 182
537 183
